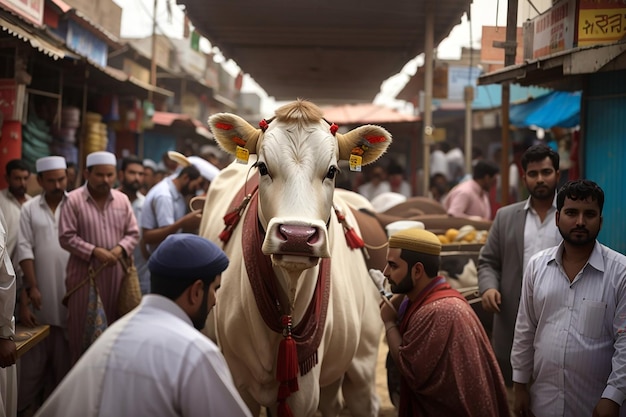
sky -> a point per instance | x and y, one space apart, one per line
137 22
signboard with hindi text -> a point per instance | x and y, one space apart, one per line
601 21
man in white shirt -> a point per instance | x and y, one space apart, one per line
43 264
13 197
11 200
569 348
153 361
518 232
8 356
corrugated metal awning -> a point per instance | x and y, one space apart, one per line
123 77
162 118
562 70
36 40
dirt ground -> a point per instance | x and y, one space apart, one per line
386 407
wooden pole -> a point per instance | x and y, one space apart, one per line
153 65
427 115
510 47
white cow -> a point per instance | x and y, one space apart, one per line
295 155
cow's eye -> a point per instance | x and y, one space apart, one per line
262 168
332 172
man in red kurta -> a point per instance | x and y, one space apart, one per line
444 356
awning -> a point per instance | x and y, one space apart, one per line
121 76
563 70
225 101
162 118
36 40
555 109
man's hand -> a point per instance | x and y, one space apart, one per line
606 408
191 221
117 251
27 318
521 403
389 308
105 256
8 353
491 300
35 297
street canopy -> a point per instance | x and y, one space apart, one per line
327 51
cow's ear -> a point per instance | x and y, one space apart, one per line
231 131
369 142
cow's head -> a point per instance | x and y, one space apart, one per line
297 153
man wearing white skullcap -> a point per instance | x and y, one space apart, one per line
154 362
97 227
435 338
43 262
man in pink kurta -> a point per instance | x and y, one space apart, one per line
446 362
97 226
470 198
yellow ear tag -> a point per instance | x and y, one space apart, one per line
242 155
355 162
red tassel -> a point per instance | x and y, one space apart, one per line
354 240
225 234
232 217
284 410
286 368
287 365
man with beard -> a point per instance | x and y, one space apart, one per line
43 263
569 349
446 363
97 226
154 361
165 210
130 176
11 200
518 232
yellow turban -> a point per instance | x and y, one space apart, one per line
416 240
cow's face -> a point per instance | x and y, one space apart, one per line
297 158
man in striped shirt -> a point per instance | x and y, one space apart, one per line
97 226
569 349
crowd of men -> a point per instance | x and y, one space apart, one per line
557 294
52 242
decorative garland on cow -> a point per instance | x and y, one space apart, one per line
298 349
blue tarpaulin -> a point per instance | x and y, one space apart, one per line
555 109
490 96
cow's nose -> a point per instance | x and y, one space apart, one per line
297 235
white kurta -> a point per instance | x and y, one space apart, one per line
11 209
38 239
8 380
151 362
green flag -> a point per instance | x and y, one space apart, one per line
195 41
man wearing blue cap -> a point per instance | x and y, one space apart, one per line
154 361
